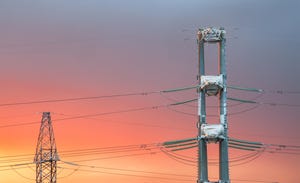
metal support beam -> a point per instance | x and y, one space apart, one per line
202 146
224 162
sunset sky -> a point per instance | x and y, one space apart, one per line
59 49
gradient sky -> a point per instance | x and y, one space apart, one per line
55 49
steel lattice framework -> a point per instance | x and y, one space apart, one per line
46 153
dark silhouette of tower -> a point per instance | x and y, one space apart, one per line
46 153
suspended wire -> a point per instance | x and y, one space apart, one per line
258 96
76 99
92 159
245 142
131 175
279 104
234 143
175 100
13 156
241 101
244 157
179 159
119 156
190 158
169 148
181 112
84 152
209 106
8 168
113 149
148 149
20 124
265 144
257 148
263 103
246 89
236 161
133 123
249 160
267 148
17 165
212 115
155 92
125 170
232 113
17 115
104 113
244 111
21 175
296 147
31 168
145 108
263 91
262 181
98 97
69 174
132 153
79 168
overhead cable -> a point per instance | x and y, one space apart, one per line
263 91
98 97
103 113
263 103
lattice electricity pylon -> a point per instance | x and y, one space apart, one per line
46 153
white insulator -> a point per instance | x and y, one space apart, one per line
212 132
212 84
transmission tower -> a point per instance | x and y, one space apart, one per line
46 153
211 86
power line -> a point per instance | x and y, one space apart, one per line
17 172
209 106
211 115
84 152
104 113
263 103
69 174
147 93
78 168
139 124
263 90
99 97
125 170
153 148
74 170
76 99
132 175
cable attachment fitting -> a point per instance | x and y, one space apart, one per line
211 34
212 132
212 84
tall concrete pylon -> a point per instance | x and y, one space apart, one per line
46 153
212 86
